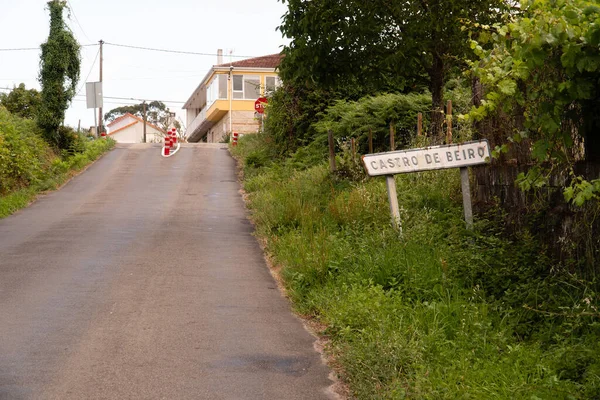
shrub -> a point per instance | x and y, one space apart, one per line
24 155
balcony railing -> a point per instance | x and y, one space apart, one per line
196 122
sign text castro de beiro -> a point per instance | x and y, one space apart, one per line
429 158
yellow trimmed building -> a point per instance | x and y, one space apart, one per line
224 100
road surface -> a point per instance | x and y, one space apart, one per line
140 279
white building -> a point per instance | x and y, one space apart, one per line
224 101
130 129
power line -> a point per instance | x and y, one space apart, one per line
132 98
171 51
116 98
76 20
89 73
138 48
136 99
38 48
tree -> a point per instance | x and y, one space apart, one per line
59 73
360 48
157 114
22 102
545 64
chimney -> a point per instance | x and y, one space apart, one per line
219 56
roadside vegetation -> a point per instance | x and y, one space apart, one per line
508 310
438 312
29 165
37 151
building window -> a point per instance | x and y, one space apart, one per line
246 87
223 86
238 86
216 89
251 87
271 83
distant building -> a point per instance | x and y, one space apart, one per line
224 100
129 128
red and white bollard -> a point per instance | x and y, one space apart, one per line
174 136
171 146
167 146
234 139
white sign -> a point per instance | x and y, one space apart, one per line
429 158
93 94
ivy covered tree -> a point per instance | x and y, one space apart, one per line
59 73
22 102
544 65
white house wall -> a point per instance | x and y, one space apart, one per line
135 134
243 122
121 123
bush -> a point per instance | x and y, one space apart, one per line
375 113
24 155
29 165
436 313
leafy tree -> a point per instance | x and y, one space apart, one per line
59 73
22 102
545 65
358 48
157 114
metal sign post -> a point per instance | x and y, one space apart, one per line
94 99
426 159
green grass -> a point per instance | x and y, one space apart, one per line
437 313
56 173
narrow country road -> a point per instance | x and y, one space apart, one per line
140 279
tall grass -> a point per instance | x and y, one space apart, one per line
437 313
50 175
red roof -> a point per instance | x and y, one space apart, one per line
138 119
270 61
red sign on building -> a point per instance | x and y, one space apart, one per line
259 105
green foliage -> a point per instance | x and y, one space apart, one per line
357 48
157 114
28 165
23 153
375 113
438 313
59 73
544 66
290 114
22 102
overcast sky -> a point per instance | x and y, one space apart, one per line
245 27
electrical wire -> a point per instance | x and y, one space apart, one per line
132 98
116 98
89 73
171 51
38 48
77 20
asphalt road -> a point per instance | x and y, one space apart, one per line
140 279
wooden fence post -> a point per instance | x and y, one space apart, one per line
419 124
392 136
393 199
449 122
370 140
331 152
466 192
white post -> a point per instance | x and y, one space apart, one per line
230 101
393 198
466 192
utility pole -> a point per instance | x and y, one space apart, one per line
144 113
100 116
